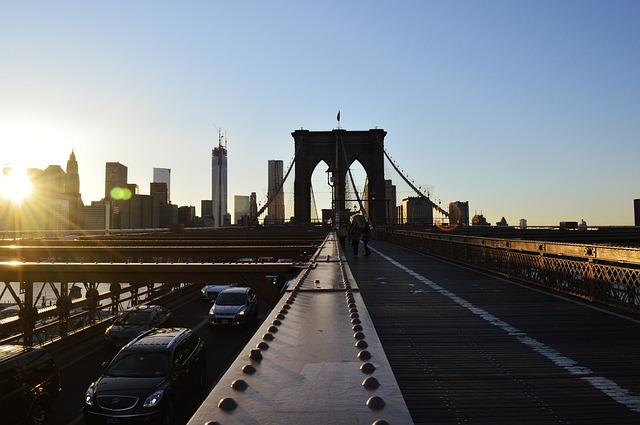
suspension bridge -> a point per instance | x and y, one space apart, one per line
431 328
357 196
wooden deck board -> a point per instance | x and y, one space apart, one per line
454 365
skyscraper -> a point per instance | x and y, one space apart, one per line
72 193
163 175
242 209
115 177
459 213
159 191
390 200
56 206
219 183
417 210
275 194
206 208
72 184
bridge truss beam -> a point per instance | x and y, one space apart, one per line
128 282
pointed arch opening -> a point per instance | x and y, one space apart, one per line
338 149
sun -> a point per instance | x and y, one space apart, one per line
15 185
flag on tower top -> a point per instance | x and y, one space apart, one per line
338 116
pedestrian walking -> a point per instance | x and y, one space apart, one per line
355 234
366 236
342 235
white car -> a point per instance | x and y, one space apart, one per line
210 292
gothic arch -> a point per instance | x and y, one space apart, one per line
339 148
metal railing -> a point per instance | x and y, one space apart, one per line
53 300
602 274
35 323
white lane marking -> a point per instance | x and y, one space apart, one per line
607 386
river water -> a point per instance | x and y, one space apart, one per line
43 293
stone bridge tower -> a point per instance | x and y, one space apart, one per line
339 148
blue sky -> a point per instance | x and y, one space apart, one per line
526 109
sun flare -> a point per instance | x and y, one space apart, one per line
15 185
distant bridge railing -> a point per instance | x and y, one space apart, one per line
603 274
39 321
51 301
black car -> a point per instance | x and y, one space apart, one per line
147 377
134 321
29 382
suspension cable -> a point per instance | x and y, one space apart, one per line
281 185
411 185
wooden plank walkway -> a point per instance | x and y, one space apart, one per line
466 347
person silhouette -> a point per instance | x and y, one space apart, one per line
366 236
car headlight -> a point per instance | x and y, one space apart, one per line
241 312
154 399
88 395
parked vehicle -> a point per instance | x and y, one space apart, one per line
147 378
29 382
134 321
234 306
210 292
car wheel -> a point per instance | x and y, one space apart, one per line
38 413
169 413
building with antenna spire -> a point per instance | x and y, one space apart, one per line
219 183
72 193
72 184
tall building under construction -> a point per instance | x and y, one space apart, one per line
219 184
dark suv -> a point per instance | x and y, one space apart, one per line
29 381
134 321
234 306
146 378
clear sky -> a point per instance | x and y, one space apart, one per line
526 109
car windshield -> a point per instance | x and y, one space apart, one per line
139 365
231 298
133 318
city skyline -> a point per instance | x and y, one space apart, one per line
525 110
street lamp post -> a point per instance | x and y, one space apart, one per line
331 181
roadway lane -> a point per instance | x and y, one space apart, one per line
223 346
